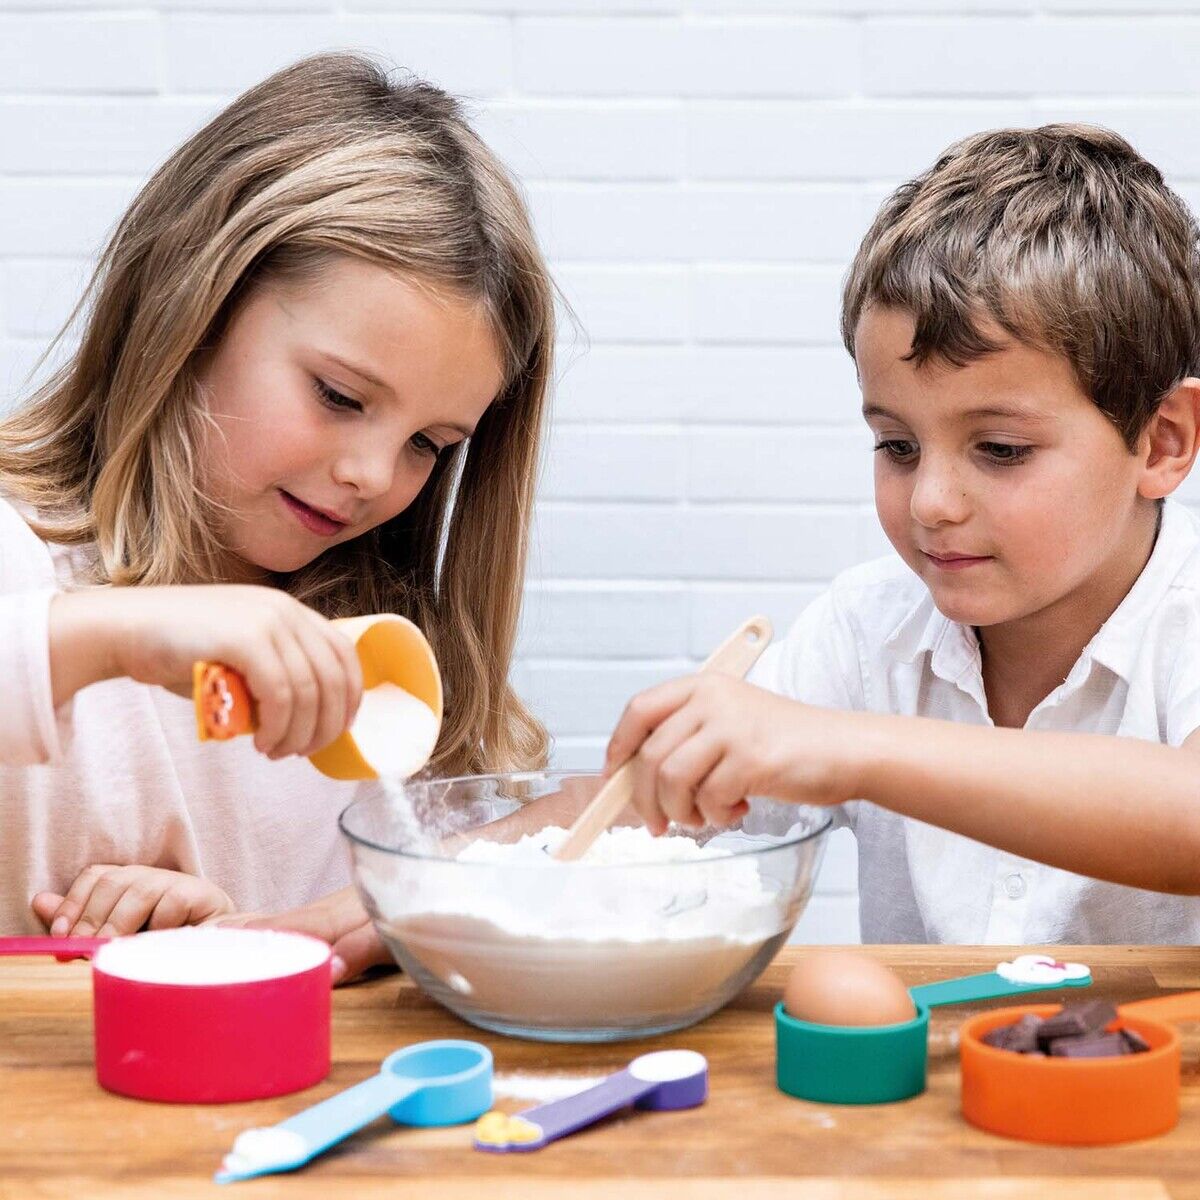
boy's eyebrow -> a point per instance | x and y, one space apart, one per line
366 375
1010 411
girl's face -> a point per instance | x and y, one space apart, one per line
1000 483
330 402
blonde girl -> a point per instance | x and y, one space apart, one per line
311 382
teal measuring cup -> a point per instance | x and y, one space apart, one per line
878 1064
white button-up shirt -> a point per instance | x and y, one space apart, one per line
876 642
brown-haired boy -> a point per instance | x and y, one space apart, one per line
1025 319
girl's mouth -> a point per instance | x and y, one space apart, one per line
312 520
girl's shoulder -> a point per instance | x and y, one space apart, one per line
28 561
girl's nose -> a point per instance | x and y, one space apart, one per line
368 466
938 496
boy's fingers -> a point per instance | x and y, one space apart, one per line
643 714
670 792
681 775
720 795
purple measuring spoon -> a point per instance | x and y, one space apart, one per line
666 1080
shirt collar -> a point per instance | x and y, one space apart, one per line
954 648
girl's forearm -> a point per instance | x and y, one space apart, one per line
1116 808
82 647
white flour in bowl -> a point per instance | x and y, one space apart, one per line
641 926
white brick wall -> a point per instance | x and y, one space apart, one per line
700 171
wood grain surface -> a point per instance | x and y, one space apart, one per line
61 1136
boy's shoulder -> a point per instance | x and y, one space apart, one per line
879 596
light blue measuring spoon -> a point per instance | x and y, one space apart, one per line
432 1083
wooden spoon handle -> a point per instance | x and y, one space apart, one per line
734 656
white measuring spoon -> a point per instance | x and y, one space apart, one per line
735 656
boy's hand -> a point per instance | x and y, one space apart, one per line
109 901
706 742
304 675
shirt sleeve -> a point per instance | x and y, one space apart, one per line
29 725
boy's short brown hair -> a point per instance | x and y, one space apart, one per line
1064 238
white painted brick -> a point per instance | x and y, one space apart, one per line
1116 56
642 222
599 57
604 464
779 464
807 385
229 52
623 383
608 541
954 57
586 620
773 223
765 304
97 136
795 543
79 52
587 698
39 294
888 7
586 140
835 140
1162 131
627 304
523 6
770 58
60 216
839 867
577 754
828 921
715 609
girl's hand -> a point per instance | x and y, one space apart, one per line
338 919
303 674
706 742
109 901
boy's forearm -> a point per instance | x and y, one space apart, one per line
1116 808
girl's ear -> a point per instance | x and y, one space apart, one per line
1169 443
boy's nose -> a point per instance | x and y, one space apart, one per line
938 497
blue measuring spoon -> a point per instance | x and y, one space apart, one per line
432 1083
666 1080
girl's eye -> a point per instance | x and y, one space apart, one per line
425 445
897 450
1004 453
334 399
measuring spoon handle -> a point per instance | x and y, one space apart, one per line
331 1121
987 986
62 948
560 1117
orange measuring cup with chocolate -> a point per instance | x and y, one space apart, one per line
391 650
1078 1101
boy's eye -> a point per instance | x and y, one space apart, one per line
335 399
897 449
1005 452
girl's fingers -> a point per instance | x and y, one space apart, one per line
306 695
344 651
69 911
270 685
644 713
356 951
135 904
45 905
333 713
174 908
108 890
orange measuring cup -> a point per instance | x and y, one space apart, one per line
1077 1101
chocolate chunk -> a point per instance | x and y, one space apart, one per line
1100 1045
1023 1036
998 1037
1096 1015
1136 1043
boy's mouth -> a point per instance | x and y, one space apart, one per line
313 519
950 561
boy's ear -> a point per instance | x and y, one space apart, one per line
1169 443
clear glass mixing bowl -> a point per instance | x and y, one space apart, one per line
574 952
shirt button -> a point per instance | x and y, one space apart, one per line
1014 886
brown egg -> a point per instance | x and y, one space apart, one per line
841 987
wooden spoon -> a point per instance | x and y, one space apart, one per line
735 656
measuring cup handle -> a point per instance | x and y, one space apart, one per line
62 948
1182 1006
325 1124
987 986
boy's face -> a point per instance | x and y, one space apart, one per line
330 403
1000 483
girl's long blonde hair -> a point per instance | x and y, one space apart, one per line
326 157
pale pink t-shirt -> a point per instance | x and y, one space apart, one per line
117 774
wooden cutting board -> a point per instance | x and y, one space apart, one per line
62 1137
